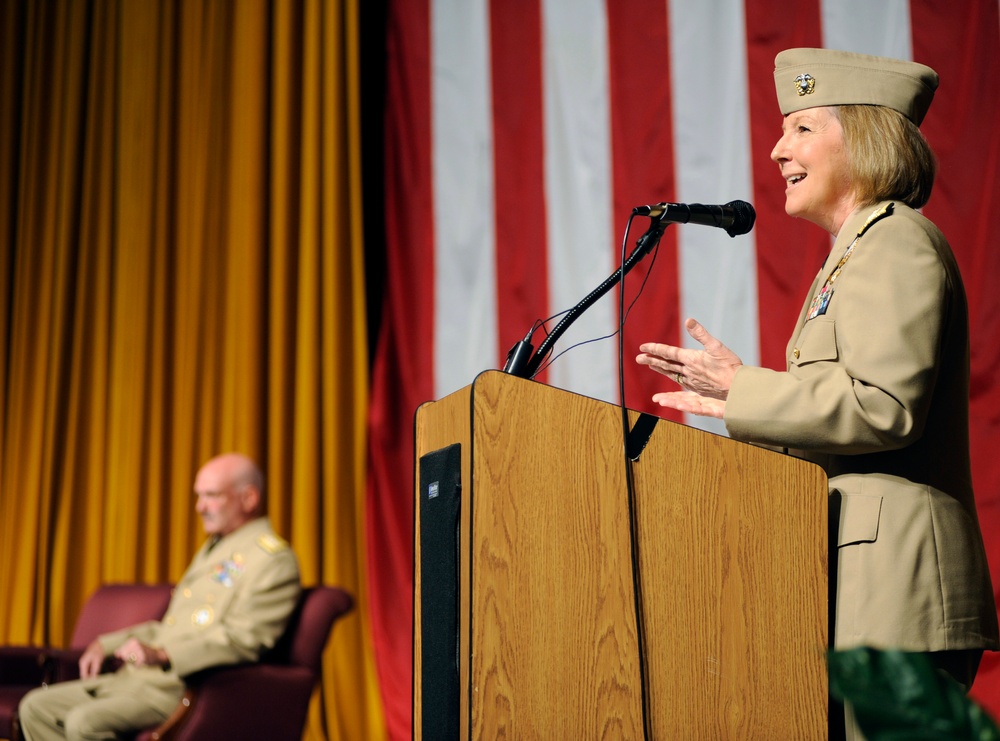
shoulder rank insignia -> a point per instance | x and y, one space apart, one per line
271 543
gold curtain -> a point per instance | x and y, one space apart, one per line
181 274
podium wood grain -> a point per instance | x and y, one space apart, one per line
733 560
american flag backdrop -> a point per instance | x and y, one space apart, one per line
519 136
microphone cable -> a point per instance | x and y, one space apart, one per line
622 318
637 605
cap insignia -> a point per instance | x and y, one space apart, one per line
805 84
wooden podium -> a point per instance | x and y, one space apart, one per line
732 563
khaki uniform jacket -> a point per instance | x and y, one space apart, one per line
232 603
876 392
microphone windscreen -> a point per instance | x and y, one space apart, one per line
743 218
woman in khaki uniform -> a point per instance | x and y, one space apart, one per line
877 382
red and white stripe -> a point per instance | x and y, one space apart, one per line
520 135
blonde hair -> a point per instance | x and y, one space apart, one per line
889 157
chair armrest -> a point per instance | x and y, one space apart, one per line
246 701
22 665
170 729
63 664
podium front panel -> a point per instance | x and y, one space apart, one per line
732 575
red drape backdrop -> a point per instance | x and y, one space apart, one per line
510 124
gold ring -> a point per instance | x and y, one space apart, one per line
132 658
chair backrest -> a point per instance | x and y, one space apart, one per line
116 606
309 627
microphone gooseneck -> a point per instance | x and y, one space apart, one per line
736 217
520 360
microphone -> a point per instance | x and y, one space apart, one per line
736 217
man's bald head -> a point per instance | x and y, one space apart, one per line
230 493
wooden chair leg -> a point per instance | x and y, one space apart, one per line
169 728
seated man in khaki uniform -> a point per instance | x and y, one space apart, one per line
232 603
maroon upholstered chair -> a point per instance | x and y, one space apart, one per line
268 699
22 668
111 607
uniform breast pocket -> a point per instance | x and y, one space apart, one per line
859 519
817 341
222 598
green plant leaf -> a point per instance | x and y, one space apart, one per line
900 696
